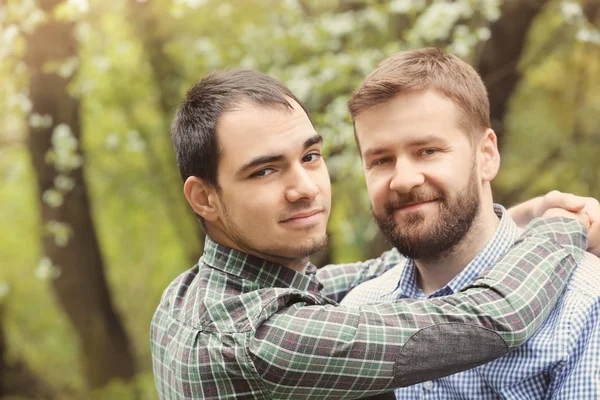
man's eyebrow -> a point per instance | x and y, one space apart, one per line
260 160
375 152
417 141
428 139
311 141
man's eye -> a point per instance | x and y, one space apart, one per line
427 152
314 156
381 161
262 173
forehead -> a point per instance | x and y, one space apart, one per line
250 130
408 117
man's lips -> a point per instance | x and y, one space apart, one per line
413 205
302 216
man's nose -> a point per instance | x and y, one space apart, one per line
406 176
302 185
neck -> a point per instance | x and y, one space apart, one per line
296 264
435 272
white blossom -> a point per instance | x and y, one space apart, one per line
587 35
40 121
112 141
101 64
32 20
491 9
83 86
407 6
401 6
3 14
463 41
7 38
64 149
292 5
21 100
83 31
4 289
60 231
135 143
67 68
47 270
15 171
124 47
224 10
205 47
191 3
327 74
177 12
438 20
339 24
81 6
571 10
368 59
248 63
64 183
483 33
460 48
376 18
53 198
308 36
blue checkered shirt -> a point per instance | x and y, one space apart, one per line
561 361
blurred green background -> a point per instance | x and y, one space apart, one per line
94 224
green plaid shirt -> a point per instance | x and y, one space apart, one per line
238 327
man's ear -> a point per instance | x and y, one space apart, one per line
202 197
489 162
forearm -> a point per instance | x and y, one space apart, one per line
331 352
522 213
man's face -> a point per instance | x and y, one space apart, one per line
421 172
275 191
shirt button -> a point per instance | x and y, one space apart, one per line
428 385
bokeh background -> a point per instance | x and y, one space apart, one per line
93 221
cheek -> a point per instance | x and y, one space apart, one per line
322 177
378 192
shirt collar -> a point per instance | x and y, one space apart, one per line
263 273
506 234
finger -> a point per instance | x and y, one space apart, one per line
569 202
558 199
595 232
592 209
594 239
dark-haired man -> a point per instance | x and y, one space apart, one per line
250 319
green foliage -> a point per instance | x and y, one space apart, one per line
321 50
553 124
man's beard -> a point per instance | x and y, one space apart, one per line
418 238
282 254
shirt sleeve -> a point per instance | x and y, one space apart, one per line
579 376
336 352
339 279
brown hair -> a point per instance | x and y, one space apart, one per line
427 69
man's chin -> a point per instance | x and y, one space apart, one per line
301 250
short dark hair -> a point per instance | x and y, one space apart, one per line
194 129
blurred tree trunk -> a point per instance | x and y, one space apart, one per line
500 56
167 77
81 286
